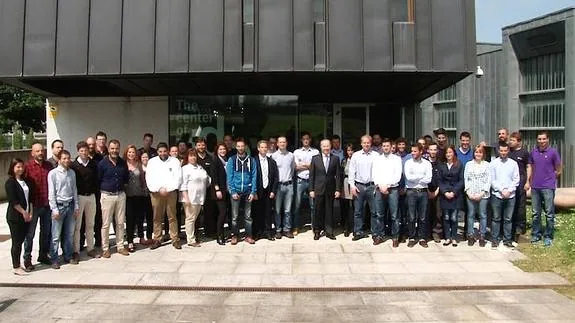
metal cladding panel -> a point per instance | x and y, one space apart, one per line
275 31
72 37
172 28
403 46
105 45
138 36
11 32
345 35
377 34
303 35
233 29
470 39
423 35
207 36
40 37
449 33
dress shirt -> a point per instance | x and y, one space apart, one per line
286 165
418 173
164 173
265 171
304 155
504 176
477 177
62 188
113 178
38 174
325 159
360 167
339 153
387 170
195 181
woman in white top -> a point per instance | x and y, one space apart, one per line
145 158
347 201
477 177
195 181
19 211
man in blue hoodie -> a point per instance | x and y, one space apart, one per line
242 184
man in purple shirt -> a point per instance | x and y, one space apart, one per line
542 178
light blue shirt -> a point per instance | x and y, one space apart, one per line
360 167
286 165
504 176
62 188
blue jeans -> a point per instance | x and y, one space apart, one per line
366 193
417 206
67 223
284 197
45 216
502 208
386 203
545 197
247 214
474 207
301 189
450 224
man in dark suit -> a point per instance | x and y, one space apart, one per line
267 181
324 186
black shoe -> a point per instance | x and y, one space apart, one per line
377 241
221 240
508 244
436 238
316 235
482 242
424 244
288 234
494 245
45 260
358 236
411 243
330 236
470 241
346 233
28 265
270 236
278 235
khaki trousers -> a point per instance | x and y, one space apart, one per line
162 205
113 206
88 211
192 212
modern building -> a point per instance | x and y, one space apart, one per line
528 85
251 68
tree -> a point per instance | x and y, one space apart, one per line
23 107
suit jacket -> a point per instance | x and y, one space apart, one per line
451 180
16 196
322 182
273 176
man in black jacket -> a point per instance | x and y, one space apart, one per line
435 216
267 179
324 186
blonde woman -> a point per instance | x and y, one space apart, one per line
477 177
195 181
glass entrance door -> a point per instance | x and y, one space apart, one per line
351 121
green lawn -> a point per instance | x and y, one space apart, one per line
559 258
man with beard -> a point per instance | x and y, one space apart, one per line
272 146
57 147
442 143
377 141
148 140
209 217
37 169
521 157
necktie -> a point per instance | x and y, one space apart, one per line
326 162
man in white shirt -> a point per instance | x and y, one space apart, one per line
362 187
504 181
164 177
286 165
387 170
302 159
418 174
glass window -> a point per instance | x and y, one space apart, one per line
253 117
248 11
545 72
317 120
448 94
318 10
446 117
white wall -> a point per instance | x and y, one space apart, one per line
122 118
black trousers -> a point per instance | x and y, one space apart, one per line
519 212
435 217
347 214
135 215
97 225
323 213
263 216
222 208
210 218
18 231
149 218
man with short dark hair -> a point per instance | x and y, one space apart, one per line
542 179
285 162
336 147
63 199
113 178
377 141
521 157
401 147
464 152
148 141
267 182
302 158
442 142
504 181
86 171
433 209
163 177
418 174
101 143
92 152
37 169
208 213
272 146
57 146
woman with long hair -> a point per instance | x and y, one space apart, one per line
450 177
347 201
220 188
149 216
195 181
136 196
477 177
19 211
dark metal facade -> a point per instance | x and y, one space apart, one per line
162 47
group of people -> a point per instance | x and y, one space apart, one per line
407 192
